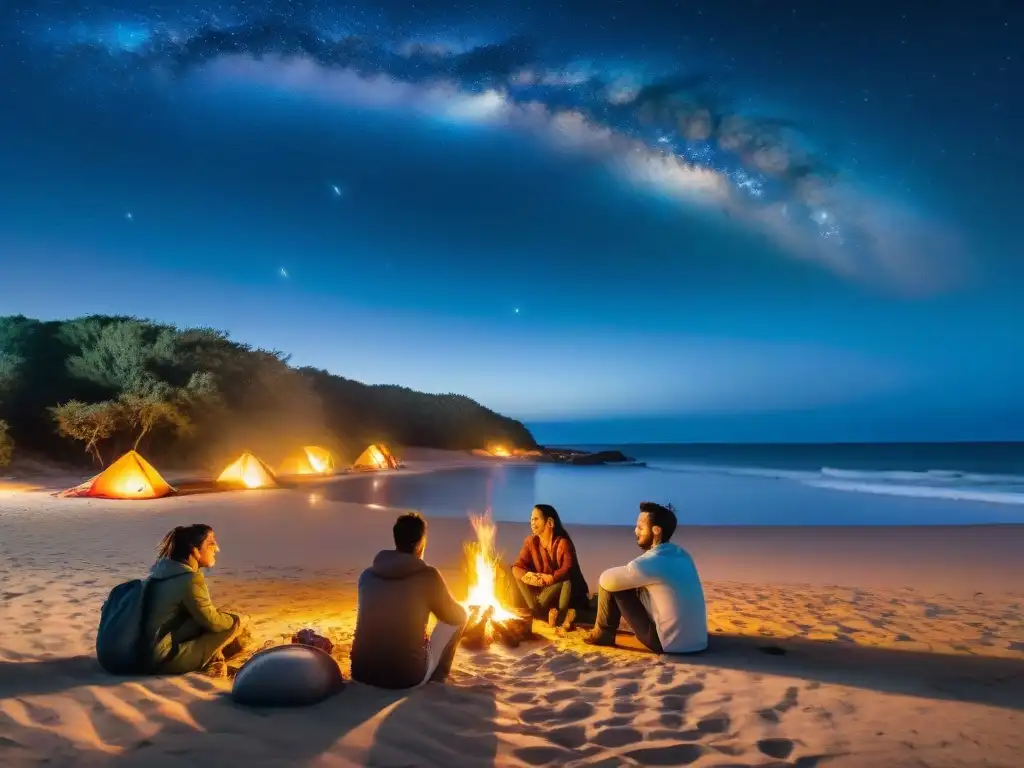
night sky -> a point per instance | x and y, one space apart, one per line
618 221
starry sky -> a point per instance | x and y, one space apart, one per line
744 220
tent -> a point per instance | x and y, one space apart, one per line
377 456
309 460
130 477
248 472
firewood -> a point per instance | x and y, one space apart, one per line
506 633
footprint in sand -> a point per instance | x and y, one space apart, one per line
778 749
613 738
573 712
674 703
686 689
718 722
523 697
570 736
671 720
556 696
629 689
625 707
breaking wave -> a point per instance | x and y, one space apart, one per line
951 485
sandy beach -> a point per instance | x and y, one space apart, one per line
838 647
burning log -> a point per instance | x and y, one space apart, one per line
484 630
489 619
476 634
514 631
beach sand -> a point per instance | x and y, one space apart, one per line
838 647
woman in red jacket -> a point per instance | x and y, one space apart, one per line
547 571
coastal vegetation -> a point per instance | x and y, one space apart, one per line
92 387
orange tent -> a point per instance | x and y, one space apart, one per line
248 472
130 477
310 460
377 456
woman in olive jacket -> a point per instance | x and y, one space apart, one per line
184 630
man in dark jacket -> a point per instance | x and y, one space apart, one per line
397 595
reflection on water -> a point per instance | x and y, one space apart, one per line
611 495
508 491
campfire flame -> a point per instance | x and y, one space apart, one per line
483 575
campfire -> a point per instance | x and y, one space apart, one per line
489 620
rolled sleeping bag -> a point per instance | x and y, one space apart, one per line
292 675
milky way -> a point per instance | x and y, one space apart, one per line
677 133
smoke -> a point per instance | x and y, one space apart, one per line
680 135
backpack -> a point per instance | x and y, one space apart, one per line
119 645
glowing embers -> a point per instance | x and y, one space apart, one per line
489 619
247 472
376 456
130 477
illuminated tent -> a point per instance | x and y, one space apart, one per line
377 456
130 477
248 472
498 450
310 460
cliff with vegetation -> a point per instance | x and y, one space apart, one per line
93 387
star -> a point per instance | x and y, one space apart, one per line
516 310
283 273
129 216
336 189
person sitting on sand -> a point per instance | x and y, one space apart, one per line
547 570
659 593
186 632
397 595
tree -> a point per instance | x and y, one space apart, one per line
9 364
121 355
157 404
90 423
6 445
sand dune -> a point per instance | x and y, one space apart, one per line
798 674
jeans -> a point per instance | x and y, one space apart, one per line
612 607
541 597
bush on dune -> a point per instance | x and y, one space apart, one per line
196 397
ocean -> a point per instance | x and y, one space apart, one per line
854 484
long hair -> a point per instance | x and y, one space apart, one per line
179 543
550 513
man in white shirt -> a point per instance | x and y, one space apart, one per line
659 593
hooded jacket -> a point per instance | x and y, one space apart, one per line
179 604
397 594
